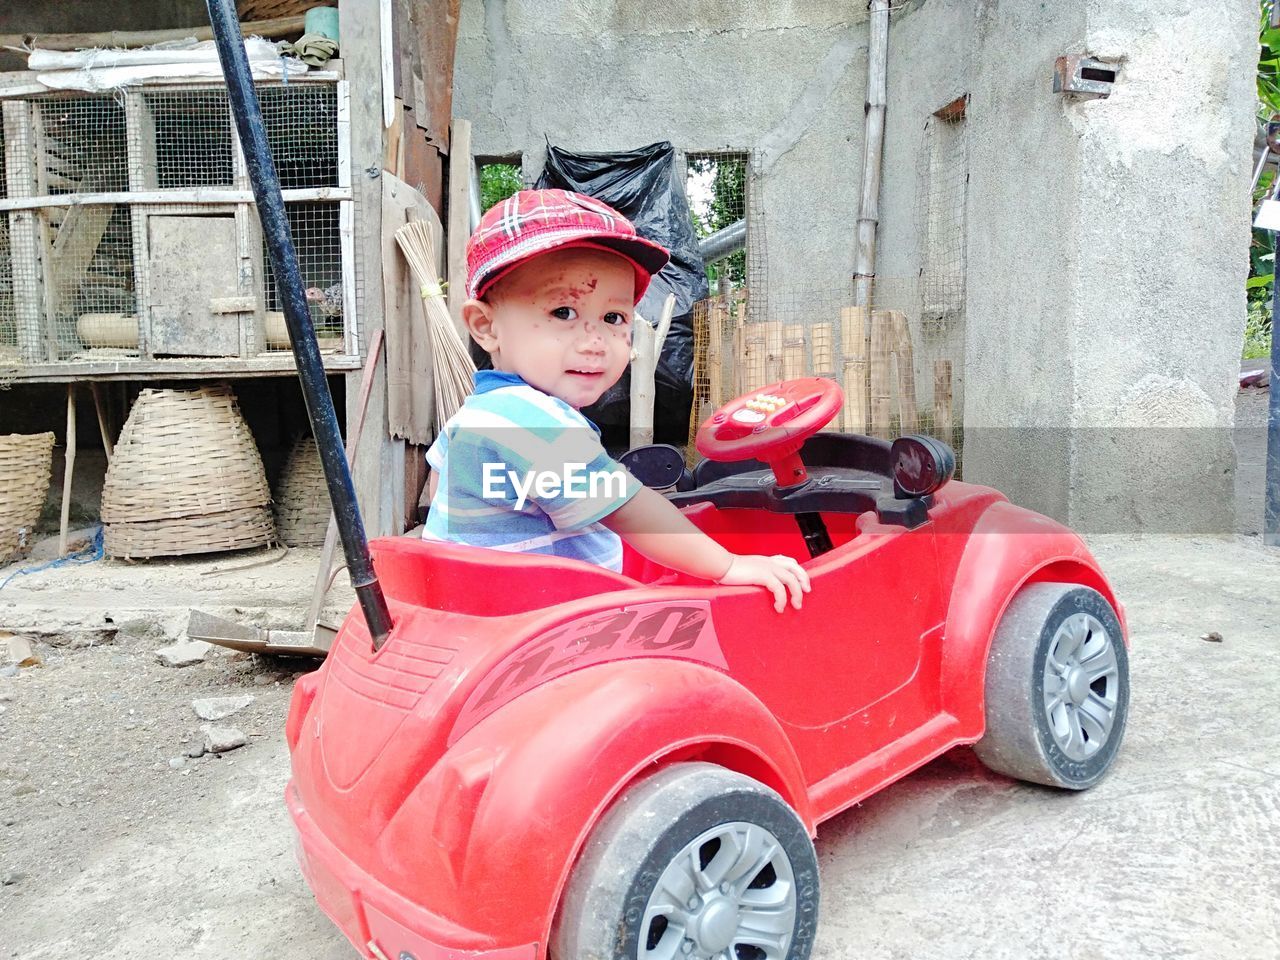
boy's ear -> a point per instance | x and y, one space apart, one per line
478 317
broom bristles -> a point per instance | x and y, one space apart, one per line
450 361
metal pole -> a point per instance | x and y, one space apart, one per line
724 243
297 316
1271 511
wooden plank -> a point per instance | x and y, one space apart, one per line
333 72
880 382
277 364
772 352
48 284
194 260
853 418
352 329
24 239
104 427
378 477
717 318
140 142
908 419
386 61
239 304
393 158
822 345
793 338
251 278
72 250
854 333
943 428
68 469
114 39
343 102
196 195
459 225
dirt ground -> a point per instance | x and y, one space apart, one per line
115 845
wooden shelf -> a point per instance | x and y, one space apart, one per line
173 368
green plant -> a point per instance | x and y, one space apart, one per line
497 182
727 206
1262 246
1257 331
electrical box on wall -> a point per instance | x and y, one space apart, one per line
1084 76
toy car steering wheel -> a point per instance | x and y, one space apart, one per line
771 424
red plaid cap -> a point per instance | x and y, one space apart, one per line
532 222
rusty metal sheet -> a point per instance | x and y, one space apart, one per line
434 28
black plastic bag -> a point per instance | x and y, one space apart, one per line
641 185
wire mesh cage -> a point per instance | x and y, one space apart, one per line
317 239
78 270
185 141
891 387
302 131
8 321
81 145
90 291
717 189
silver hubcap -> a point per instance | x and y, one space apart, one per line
728 895
1081 686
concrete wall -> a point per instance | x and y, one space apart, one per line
784 79
1106 240
1107 260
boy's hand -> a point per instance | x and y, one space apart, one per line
780 574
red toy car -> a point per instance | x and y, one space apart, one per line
551 759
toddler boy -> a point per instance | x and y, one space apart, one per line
553 278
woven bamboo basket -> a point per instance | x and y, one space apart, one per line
249 10
302 499
25 463
186 478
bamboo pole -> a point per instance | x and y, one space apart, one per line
873 154
276 27
68 469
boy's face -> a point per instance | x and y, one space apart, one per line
561 321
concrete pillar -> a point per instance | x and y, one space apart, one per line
1107 260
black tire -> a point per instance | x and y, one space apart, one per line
1038 728
643 834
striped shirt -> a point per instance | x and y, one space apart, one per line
523 471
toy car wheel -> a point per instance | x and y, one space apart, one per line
1057 688
694 862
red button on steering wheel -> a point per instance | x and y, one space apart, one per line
771 424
